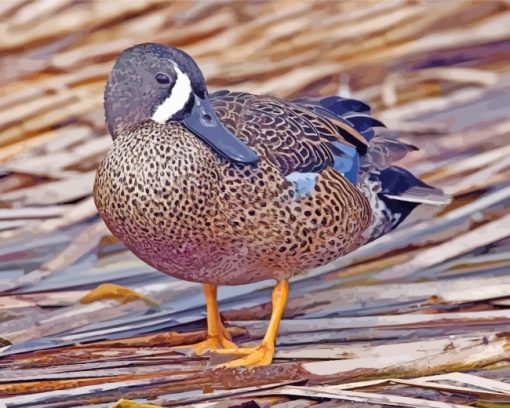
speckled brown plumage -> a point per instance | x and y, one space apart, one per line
232 188
196 216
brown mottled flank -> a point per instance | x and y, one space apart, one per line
189 213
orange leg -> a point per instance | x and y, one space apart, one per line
217 336
263 354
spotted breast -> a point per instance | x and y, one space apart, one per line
232 188
198 217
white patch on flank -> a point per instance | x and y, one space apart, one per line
379 211
303 182
178 98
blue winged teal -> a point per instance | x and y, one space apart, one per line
232 188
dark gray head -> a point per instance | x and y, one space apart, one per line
158 82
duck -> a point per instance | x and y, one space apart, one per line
231 188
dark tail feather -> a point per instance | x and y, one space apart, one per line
351 111
336 104
402 192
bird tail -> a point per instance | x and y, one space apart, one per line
394 193
401 185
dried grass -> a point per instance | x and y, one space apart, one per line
405 316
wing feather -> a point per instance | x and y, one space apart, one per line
304 135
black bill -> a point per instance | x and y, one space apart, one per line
204 123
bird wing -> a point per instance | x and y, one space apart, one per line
304 135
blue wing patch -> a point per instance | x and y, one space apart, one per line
303 182
347 161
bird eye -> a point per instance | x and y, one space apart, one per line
162 79
208 118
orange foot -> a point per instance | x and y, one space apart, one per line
254 356
212 343
217 336
263 354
